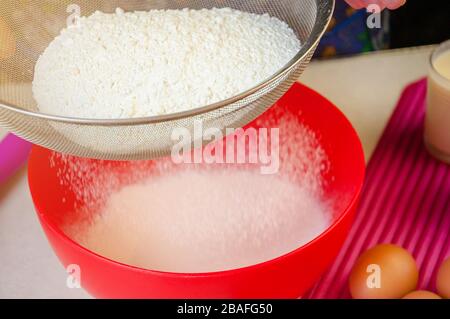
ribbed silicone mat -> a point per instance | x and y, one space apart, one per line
405 201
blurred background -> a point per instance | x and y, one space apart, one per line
416 23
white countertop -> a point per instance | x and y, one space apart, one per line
366 88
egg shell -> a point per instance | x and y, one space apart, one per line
383 272
443 279
422 294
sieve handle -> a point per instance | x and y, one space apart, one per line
13 154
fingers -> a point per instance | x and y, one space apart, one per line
390 4
393 4
357 4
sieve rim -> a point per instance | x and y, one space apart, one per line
324 14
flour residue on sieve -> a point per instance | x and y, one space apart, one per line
200 218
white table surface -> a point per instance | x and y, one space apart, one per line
366 88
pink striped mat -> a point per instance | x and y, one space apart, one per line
405 201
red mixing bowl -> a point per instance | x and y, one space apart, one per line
289 276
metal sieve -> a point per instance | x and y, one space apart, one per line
28 26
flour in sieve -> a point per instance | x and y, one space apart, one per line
137 64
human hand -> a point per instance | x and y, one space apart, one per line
390 4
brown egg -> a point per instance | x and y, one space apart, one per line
383 272
421 294
443 279
7 41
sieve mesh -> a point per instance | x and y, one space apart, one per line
28 26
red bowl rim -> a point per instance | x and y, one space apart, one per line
343 215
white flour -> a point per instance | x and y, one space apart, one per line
196 218
202 221
137 64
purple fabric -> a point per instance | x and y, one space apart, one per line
13 154
405 201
